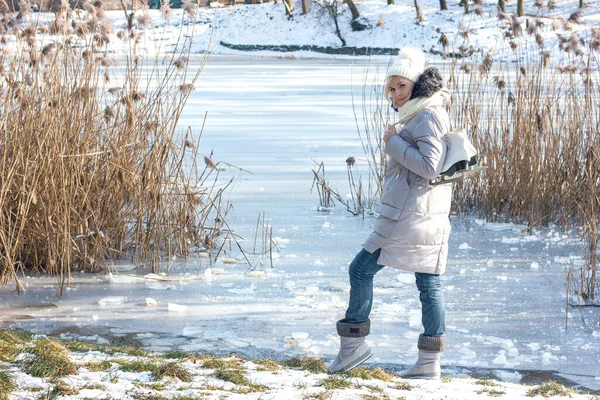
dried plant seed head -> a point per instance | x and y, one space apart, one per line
43 29
121 34
109 113
381 21
523 71
89 7
531 29
502 16
189 144
486 64
144 20
479 11
4 7
545 58
138 96
566 25
93 24
186 88
539 40
575 17
133 34
478 2
516 27
511 98
106 77
189 7
538 4
466 67
113 149
106 27
25 9
464 31
49 50
350 161
513 45
108 62
209 163
165 10
551 4
115 91
443 40
179 64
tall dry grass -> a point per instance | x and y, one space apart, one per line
536 123
92 166
535 120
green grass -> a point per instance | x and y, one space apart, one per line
81 346
366 373
491 392
486 382
173 370
550 388
234 376
50 360
60 388
267 365
177 354
98 366
310 364
7 384
335 382
139 365
403 386
93 386
220 363
238 378
12 343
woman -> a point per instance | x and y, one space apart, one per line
411 232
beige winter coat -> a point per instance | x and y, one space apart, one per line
413 226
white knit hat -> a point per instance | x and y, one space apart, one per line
410 64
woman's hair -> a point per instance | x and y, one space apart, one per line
428 83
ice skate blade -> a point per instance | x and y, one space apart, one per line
457 177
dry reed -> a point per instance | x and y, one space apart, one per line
535 121
89 172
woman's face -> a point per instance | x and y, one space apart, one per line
400 90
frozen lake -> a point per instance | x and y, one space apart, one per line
505 288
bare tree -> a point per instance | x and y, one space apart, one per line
331 6
304 6
391 2
502 5
289 7
353 9
443 5
520 8
419 17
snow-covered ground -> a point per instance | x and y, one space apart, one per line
505 288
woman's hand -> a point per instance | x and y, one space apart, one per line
391 131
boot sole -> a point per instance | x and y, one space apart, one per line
352 366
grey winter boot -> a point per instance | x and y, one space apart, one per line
353 349
428 364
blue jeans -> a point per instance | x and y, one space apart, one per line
362 270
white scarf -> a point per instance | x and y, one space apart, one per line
415 106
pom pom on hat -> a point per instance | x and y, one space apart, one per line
410 64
